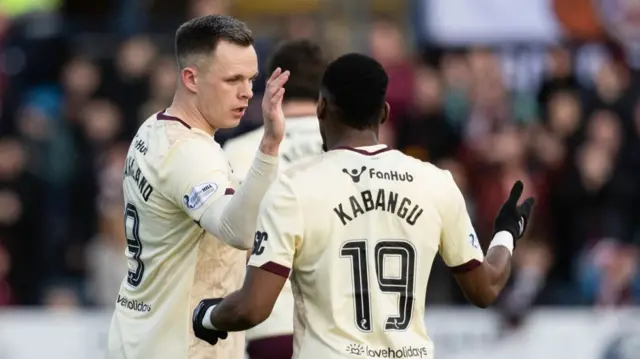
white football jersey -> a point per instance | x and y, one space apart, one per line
173 173
302 140
358 229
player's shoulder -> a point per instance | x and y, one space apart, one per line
246 140
304 167
169 137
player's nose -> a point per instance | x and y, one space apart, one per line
246 91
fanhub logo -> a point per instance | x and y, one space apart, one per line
390 175
134 305
355 174
405 352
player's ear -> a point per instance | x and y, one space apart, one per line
188 77
321 109
386 111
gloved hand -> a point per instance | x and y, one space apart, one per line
511 217
210 336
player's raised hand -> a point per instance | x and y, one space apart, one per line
272 107
511 217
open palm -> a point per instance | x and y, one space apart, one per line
272 106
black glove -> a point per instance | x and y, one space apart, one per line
208 335
511 217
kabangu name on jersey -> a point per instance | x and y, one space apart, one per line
131 169
378 200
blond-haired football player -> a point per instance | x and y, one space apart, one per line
188 223
305 60
358 228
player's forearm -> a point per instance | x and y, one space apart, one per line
232 315
234 220
497 266
498 263
483 285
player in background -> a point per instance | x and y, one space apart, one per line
187 232
273 339
359 226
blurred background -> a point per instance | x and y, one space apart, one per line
493 90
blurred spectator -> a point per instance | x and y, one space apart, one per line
423 131
126 81
207 7
106 264
559 75
6 295
20 207
388 47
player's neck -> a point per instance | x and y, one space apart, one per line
189 114
353 139
293 109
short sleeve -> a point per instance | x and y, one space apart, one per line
279 230
194 175
459 245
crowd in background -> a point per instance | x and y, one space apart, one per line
67 118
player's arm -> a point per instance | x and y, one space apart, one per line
481 278
236 153
195 176
276 241
233 219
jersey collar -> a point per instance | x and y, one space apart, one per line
367 150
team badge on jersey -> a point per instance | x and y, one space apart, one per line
199 195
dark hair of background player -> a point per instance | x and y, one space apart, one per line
306 62
200 36
354 87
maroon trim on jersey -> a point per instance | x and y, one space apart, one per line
164 117
466 267
277 269
364 152
229 191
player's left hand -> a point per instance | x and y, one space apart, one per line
514 218
272 107
210 336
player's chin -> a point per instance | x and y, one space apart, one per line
231 121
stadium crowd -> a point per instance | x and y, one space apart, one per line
67 119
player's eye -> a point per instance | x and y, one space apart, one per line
234 79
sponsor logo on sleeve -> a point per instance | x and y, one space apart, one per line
199 195
258 243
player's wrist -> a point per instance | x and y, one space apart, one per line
206 320
503 238
269 147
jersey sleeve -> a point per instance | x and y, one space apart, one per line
279 230
194 175
459 246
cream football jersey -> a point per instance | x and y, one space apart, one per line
302 140
173 173
358 230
